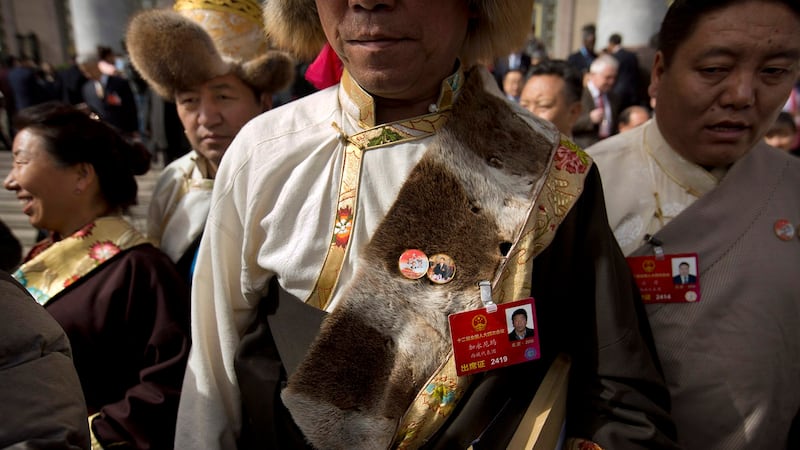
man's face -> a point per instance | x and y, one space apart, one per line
398 50
543 95
519 322
604 78
684 270
512 83
214 112
637 117
727 82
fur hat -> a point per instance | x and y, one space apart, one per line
203 39
500 28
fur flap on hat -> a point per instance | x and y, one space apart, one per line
500 28
174 53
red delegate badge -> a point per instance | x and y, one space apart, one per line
671 279
489 340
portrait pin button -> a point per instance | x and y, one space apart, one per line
441 268
413 264
784 230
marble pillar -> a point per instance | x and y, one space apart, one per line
635 20
100 22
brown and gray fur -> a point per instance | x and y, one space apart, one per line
499 28
174 53
469 194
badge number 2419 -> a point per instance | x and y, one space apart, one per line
484 341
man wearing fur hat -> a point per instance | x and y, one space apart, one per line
209 57
322 203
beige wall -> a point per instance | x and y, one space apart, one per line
34 16
571 15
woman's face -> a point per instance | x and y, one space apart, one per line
46 191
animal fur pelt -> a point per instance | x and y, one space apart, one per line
469 194
499 28
174 53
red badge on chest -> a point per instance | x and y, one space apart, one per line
670 279
484 341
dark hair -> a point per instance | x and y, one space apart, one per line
615 39
520 311
625 115
683 263
683 16
573 79
588 30
72 137
104 52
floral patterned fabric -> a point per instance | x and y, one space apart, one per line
55 265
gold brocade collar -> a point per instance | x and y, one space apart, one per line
694 179
68 260
359 104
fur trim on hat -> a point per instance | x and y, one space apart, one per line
173 53
500 28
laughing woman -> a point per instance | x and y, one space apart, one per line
119 299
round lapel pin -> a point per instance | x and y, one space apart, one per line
413 264
784 230
441 268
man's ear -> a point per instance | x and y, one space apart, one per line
265 99
656 74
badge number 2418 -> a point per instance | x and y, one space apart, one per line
484 341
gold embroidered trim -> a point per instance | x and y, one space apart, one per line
250 9
372 138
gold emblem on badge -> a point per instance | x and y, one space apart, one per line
441 268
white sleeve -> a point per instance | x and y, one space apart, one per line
209 415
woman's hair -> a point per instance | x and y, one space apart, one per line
73 137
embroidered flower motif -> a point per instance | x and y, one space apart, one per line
386 136
101 251
441 396
84 232
71 280
342 227
40 296
571 158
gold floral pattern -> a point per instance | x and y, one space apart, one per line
68 260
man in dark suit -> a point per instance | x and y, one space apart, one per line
601 106
109 96
521 331
684 277
583 58
627 84
73 80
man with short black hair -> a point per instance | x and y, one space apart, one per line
723 71
519 319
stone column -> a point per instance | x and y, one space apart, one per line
100 22
636 21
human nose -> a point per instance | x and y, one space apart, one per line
209 114
740 91
372 4
10 183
